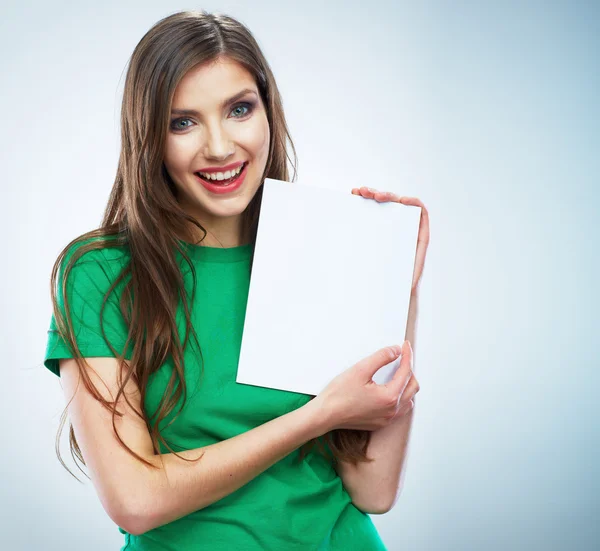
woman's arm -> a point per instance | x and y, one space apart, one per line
138 498
381 480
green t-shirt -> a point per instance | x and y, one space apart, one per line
290 506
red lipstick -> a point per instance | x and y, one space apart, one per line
225 168
215 187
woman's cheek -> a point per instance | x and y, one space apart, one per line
179 152
256 135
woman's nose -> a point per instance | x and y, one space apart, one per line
218 143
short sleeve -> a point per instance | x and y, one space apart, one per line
88 282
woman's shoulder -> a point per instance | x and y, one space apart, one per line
104 253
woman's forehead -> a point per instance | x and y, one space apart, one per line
211 83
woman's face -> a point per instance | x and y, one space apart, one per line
213 132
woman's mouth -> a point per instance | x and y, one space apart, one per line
224 186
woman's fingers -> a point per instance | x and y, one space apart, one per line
383 196
367 192
403 373
410 391
369 365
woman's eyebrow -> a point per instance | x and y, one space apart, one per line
223 104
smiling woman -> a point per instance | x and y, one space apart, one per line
148 313
218 136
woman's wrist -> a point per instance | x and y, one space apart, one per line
318 417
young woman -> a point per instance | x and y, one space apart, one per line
148 313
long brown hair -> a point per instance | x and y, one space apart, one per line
143 214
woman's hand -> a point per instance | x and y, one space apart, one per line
352 400
423 237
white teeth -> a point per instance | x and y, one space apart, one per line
221 175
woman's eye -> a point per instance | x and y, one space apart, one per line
239 108
174 124
246 105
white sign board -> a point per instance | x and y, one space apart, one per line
330 284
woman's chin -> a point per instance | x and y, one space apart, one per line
222 207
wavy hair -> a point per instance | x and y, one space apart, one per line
143 214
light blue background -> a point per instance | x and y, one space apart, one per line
488 112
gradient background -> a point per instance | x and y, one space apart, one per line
488 112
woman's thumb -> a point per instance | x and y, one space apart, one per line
371 364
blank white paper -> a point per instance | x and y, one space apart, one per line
330 285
